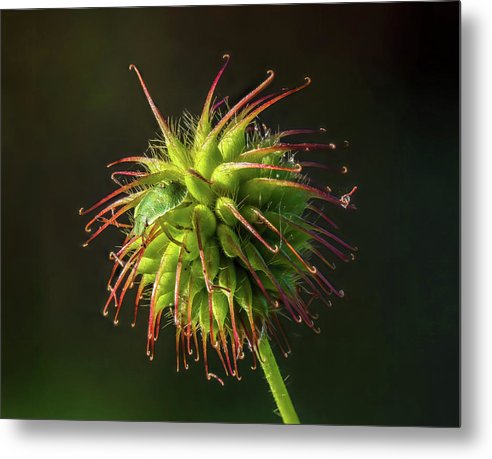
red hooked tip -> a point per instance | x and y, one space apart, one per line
114 257
214 376
208 100
314 192
110 208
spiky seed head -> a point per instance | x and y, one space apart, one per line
220 229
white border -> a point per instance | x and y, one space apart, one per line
160 440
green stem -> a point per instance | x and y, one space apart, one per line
276 383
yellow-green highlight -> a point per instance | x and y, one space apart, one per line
277 384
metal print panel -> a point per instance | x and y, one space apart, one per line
276 236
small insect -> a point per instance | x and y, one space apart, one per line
156 203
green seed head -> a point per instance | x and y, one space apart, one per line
220 230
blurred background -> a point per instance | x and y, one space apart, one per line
385 77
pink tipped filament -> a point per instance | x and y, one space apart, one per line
250 117
273 228
208 101
302 131
149 179
296 169
248 226
160 120
259 153
323 216
241 104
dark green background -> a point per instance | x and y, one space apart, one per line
385 76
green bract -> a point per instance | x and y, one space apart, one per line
220 230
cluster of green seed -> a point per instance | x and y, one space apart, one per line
218 234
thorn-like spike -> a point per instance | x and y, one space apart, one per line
133 159
301 131
138 297
259 153
206 279
250 228
105 225
332 236
111 209
129 282
223 101
323 216
114 289
241 103
314 192
273 228
242 165
160 120
147 180
307 279
208 100
153 299
315 236
126 174
257 102
322 258
251 116
179 268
